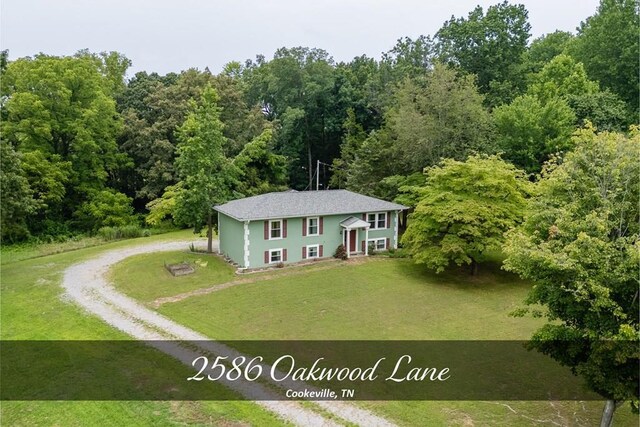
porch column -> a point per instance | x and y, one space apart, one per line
348 242
366 241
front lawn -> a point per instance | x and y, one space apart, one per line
388 299
378 298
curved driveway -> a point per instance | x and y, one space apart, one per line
85 283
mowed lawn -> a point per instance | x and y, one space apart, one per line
31 308
386 299
145 278
379 298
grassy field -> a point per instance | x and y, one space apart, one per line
376 299
31 309
373 299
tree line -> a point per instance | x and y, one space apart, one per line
83 147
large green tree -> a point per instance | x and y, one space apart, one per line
438 116
608 44
435 116
543 49
61 108
464 211
297 90
490 46
261 170
580 247
530 131
207 175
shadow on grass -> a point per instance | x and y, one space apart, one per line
490 275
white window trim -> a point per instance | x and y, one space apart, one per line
377 214
281 229
317 251
317 218
271 251
375 243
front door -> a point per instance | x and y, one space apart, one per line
353 237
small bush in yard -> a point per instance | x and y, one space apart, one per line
371 249
341 252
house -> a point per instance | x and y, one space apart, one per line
293 226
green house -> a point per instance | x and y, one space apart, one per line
294 226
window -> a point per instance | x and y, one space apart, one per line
313 251
371 219
275 255
312 226
379 244
275 229
377 220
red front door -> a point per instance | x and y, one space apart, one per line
353 237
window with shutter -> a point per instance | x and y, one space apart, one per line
313 226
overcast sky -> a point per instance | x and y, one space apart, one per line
165 35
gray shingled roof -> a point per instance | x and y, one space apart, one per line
289 204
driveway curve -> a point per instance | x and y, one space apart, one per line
86 284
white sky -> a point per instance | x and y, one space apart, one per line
165 35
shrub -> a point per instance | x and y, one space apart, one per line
280 265
341 252
129 231
371 250
106 208
107 233
124 232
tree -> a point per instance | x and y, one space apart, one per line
17 196
490 46
373 162
106 208
408 58
465 209
351 142
608 46
579 246
544 49
164 206
604 109
62 108
439 116
207 176
529 131
296 89
561 77
260 169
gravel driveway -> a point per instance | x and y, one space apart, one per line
85 283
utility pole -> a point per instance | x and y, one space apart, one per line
317 175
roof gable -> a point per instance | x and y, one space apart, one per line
291 204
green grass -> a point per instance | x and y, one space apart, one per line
380 299
390 299
23 251
145 278
31 308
